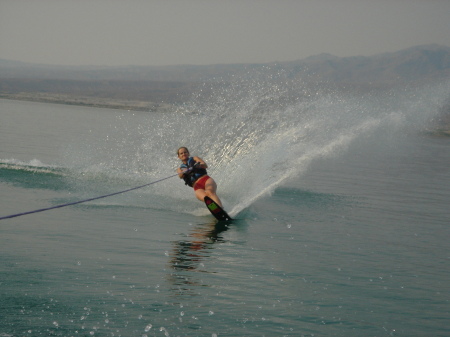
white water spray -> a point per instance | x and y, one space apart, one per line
257 133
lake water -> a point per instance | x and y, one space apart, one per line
341 205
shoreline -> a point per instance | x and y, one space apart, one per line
134 105
93 102
439 132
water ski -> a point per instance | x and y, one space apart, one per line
216 210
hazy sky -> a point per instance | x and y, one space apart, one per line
150 32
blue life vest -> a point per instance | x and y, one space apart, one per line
191 177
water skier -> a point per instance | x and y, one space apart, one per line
193 172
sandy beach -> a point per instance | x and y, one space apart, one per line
98 102
441 129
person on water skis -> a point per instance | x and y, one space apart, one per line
193 172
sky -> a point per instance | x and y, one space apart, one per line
200 32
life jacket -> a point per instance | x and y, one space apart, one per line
195 172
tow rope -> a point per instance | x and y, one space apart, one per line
85 200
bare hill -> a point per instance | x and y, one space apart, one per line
144 86
419 63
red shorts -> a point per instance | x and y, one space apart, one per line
201 182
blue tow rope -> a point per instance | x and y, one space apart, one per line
86 200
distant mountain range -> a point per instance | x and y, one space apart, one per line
416 64
151 88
